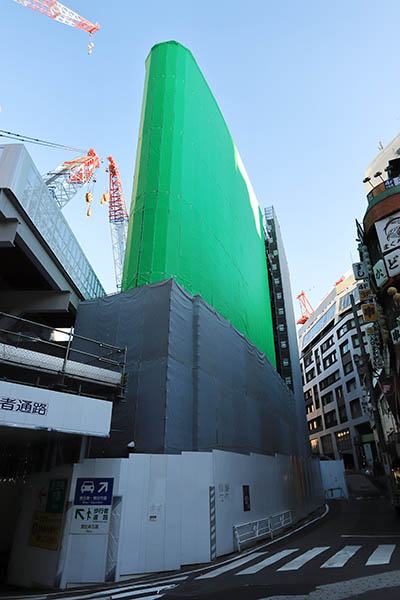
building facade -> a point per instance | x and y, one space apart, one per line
337 413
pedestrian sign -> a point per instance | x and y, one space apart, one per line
92 505
91 519
94 491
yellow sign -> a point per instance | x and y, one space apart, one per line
364 294
46 530
369 312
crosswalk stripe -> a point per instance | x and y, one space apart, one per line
301 560
340 558
266 562
116 589
230 566
131 593
147 597
382 555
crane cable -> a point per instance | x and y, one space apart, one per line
31 140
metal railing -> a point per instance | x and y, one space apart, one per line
38 346
254 530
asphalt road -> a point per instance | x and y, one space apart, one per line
354 549
353 552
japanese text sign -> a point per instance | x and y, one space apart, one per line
94 491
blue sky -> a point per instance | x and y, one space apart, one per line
307 89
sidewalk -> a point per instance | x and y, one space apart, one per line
360 484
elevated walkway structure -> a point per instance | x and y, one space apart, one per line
44 271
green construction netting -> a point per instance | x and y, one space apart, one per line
194 215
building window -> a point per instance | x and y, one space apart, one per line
342 414
329 380
327 398
355 408
283 344
351 385
279 295
327 445
327 344
281 327
281 311
274 267
346 327
285 362
343 440
339 394
356 343
314 446
308 359
330 359
330 419
316 396
315 424
308 395
310 375
348 368
275 253
288 380
344 348
277 281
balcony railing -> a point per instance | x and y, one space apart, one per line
31 345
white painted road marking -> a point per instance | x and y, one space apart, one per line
133 593
301 560
231 566
340 558
384 535
382 555
146 597
268 561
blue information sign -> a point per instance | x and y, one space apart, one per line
96 491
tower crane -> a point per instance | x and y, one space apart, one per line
118 217
305 308
67 179
61 13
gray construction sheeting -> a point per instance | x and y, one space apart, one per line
194 381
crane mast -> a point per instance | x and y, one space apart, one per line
67 179
118 217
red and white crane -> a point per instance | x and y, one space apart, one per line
67 179
61 13
305 308
118 217
70 177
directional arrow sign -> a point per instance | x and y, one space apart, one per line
79 512
94 491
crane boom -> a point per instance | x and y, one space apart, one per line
118 217
67 179
305 308
61 13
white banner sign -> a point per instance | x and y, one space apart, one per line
36 408
392 261
359 271
380 273
388 231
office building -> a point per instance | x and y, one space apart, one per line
335 400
